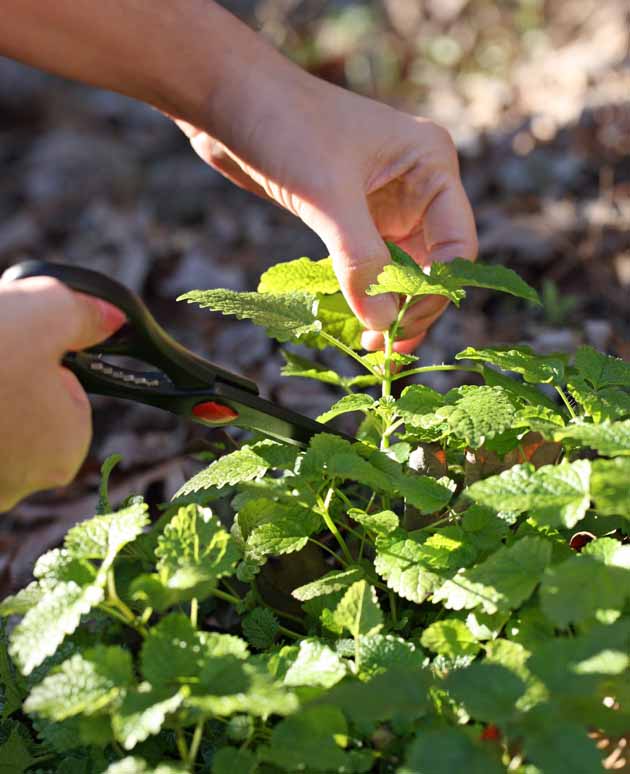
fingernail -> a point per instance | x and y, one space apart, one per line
111 315
379 312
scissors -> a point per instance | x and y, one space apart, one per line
180 382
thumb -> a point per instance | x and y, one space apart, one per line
358 253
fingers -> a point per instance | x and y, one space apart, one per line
449 225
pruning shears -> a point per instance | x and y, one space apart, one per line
180 382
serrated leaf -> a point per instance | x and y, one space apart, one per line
244 464
381 523
315 664
480 275
142 714
275 528
609 403
359 611
554 494
260 628
12 686
285 316
296 365
445 751
84 684
307 739
480 414
409 280
520 390
416 401
43 628
602 370
513 656
301 274
133 765
172 652
414 566
194 549
450 637
331 582
378 653
536 369
15 755
23 601
355 402
609 486
103 536
337 319
611 439
602 575
488 691
230 760
502 582
59 565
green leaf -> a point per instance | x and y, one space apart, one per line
15 755
172 652
296 365
315 664
602 370
518 389
23 601
245 464
481 414
307 739
59 565
300 274
609 486
336 580
230 760
275 528
488 691
609 403
336 319
536 369
447 750
381 523
44 626
513 656
260 628
416 401
601 572
107 467
499 278
502 582
194 549
414 567
378 653
608 438
410 280
286 316
142 714
359 611
103 536
450 637
133 765
354 402
12 687
86 683
557 495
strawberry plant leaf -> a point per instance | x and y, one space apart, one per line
86 683
502 582
315 664
608 438
488 691
355 402
450 637
534 368
298 275
44 627
480 414
414 566
554 494
260 628
142 714
609 486
244 464
359 611
601 572
285 316
194 549
602 370
446 750
337 580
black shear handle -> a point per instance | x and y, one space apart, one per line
142 337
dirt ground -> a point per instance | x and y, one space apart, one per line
537 97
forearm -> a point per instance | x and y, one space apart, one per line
178 56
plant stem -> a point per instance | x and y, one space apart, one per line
565 400
231 598
182 747
428 369
324 505
392 606
350 352
288 633
114 602
329 550
196 742
194 611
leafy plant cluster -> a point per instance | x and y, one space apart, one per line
448 593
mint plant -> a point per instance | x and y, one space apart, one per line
448 593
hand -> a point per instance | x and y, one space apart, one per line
45 423
357 172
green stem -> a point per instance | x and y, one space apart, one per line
182 747
194 611
324 505
392 607
196 742
429 369
288 633
565 400
231 598
115 603
350 352
324 547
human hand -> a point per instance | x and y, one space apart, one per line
358 173
45 423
